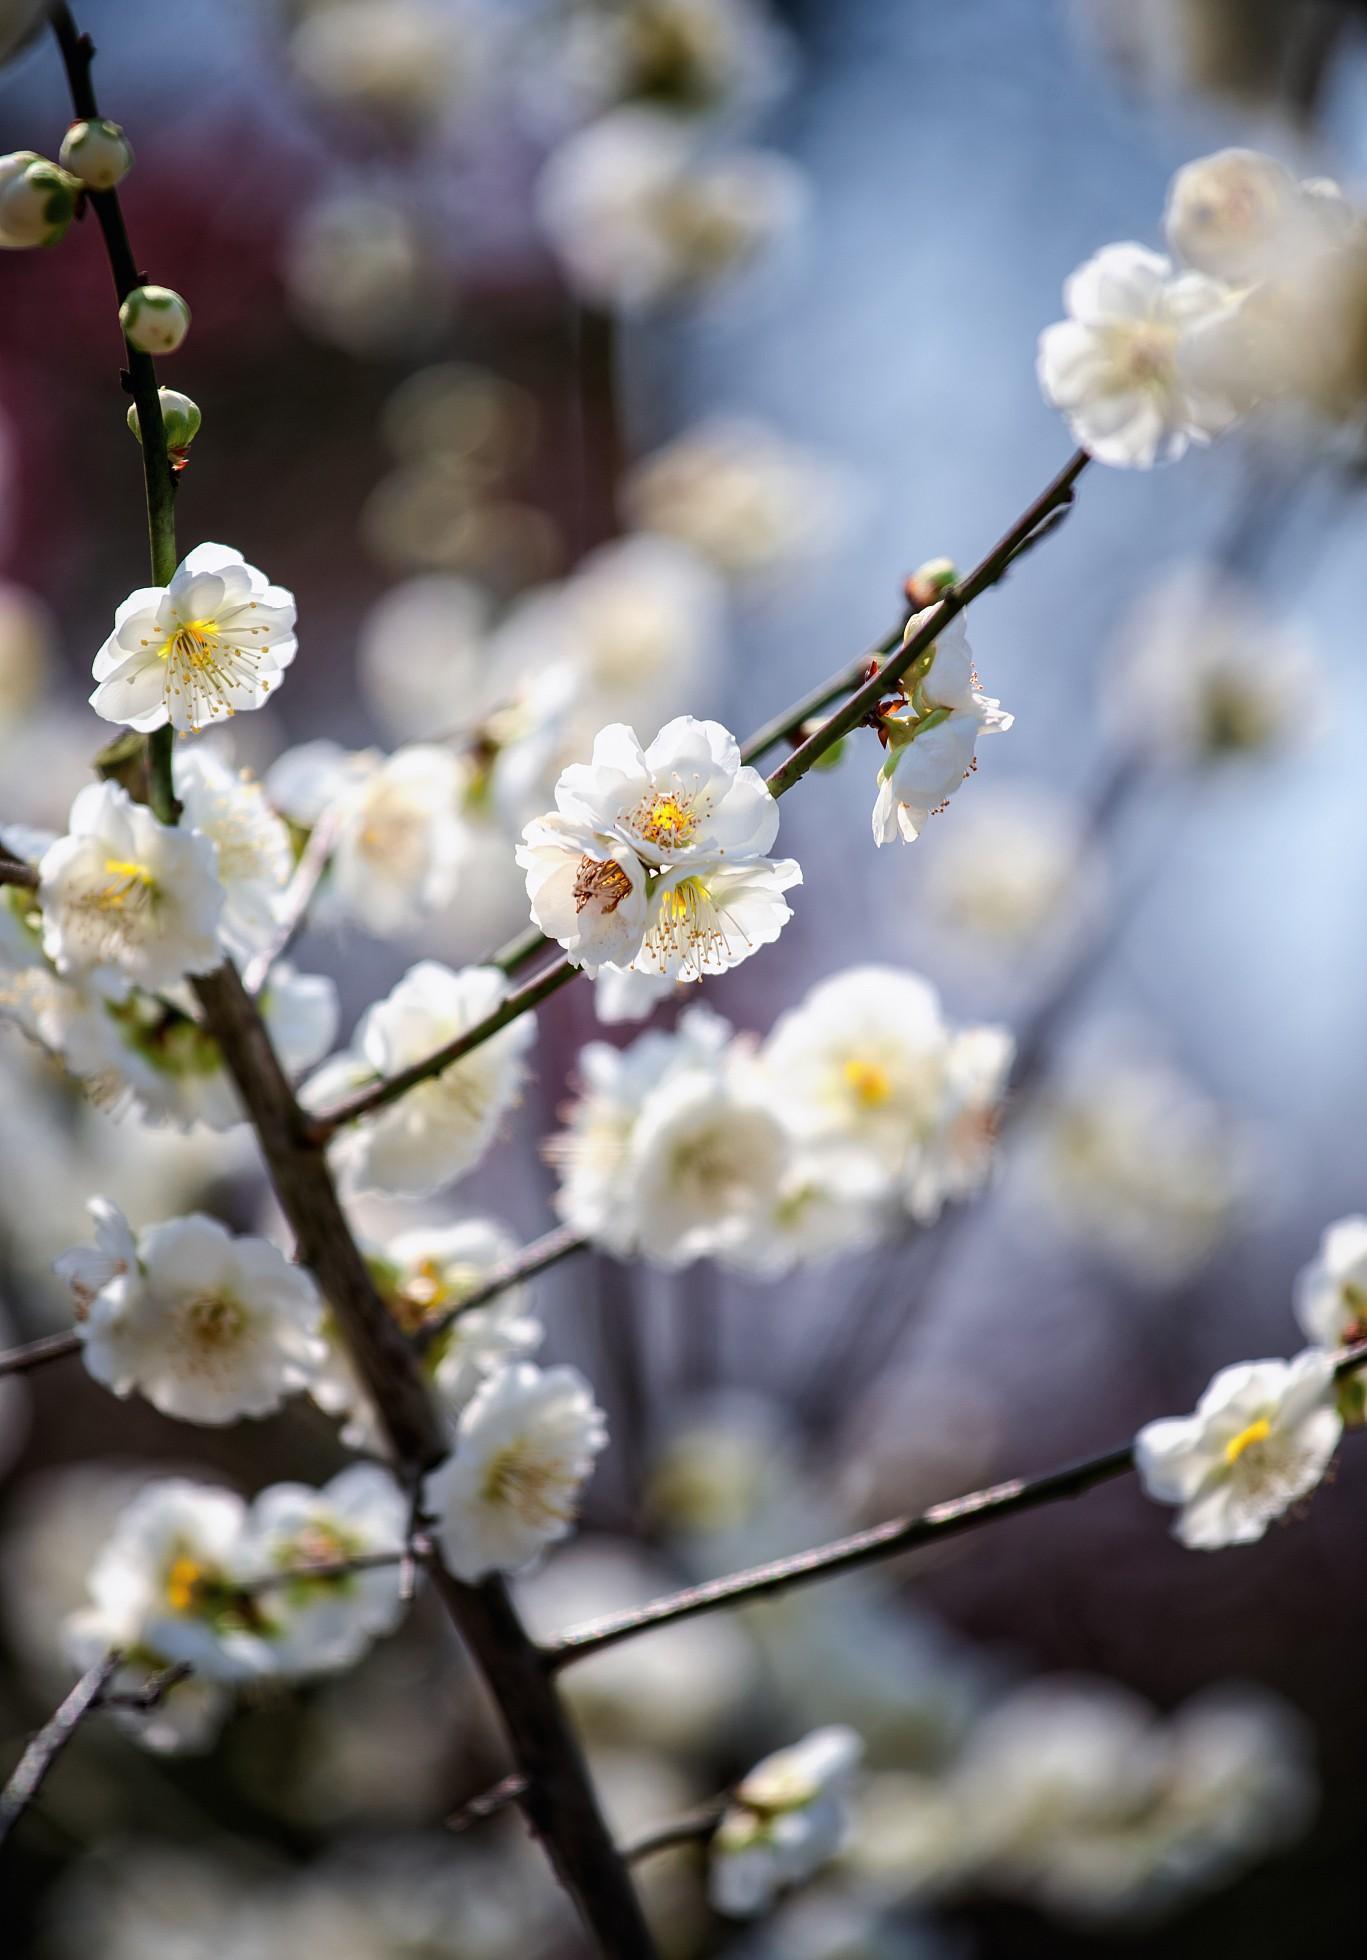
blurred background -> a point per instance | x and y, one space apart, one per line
434 377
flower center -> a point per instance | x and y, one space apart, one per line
132 882
1247 1439
600 882
213 1321
533 1487
184 1582
667 821
1146 353
868 1081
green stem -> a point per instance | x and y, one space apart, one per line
140 380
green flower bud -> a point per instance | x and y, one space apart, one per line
154 319
37 201
98 153
180 417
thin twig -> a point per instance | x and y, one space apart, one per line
537 1257
299 896
34 1354
1023 533
1056 497
325 1569
38 1759
488 1804
14 872
694 1826
879 1541
380 1094
153 1691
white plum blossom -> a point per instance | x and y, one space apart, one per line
423 1276
524 1447
867 1067
695 824
444 1125
126 898
1239 215
1262 1437
1115 366
166 1585
636 629
206 1326
87 1270
318 1625
639 215
623 994
1132 1159
422 659
700 57
402 65
588 891
739 495
1013 876
1331 1292
251 845
932 742
401 839
213 642
788 1817
1207 672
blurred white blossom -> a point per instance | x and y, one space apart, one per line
322 1624
1116 366
1331 1292
640 214
251 845
788 1816
444 1125
524 1448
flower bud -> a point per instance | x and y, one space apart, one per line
180 418
154 319
37 200
928 581
98 153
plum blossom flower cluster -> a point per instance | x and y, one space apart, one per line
1261 305
863 1105
655 860
192 1574
1075 1795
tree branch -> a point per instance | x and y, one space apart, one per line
560 1803
694 1826
38 1759
1055 498
879 1541
1023 533
34 1354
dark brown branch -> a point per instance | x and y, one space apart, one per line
38 1759
1027 529
34 1354
509 1790
13 872
695 1826
879 1541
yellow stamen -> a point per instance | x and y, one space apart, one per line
868 1082
193 642
183 1582
1247 1439
136 874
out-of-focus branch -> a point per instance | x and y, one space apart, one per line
38 1759
879 1541
694 1826
12 872
299 896
1032 525
538 1257
35 1354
